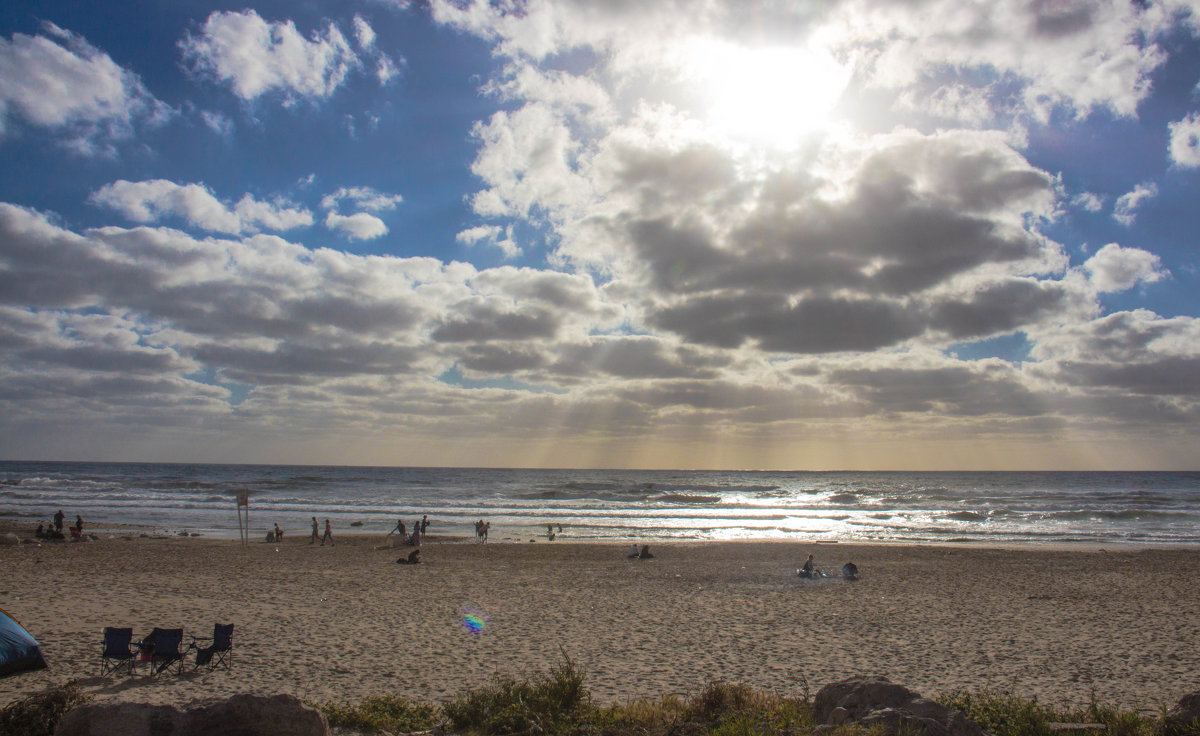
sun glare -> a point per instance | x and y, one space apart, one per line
772 96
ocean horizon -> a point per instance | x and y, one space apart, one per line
1099 507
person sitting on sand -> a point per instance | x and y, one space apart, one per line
807 570
633 551
41 532
414 558
645 553
850 571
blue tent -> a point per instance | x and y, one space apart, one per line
18 650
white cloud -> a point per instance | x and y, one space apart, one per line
1088 202
152 200
363 33
359 226
364 198
385 69
60 80
1125 209
1185 141
219 123
479 234
257 57
1114 268
502 238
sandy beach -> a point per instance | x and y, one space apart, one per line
339 623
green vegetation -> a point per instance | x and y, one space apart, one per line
38 715
1005 714
558 704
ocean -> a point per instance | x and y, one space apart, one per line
1150 508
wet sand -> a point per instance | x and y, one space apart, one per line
343 622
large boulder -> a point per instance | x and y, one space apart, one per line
134 719
241 715
1183 715
875 701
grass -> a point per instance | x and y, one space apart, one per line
1005 714
558 704
38 715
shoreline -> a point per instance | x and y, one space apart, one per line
24 530
345 622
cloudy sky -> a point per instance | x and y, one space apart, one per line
696 234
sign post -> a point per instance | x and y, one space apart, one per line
243 499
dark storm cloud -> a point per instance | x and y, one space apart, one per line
956 390
999 307
817 325
487 323
634 358
500 359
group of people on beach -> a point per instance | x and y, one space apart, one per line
481 531
54 528
418 531
315 529
809 570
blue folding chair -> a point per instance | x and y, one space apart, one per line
164 647
220 652
117 652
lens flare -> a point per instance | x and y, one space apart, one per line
475 620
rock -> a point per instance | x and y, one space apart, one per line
9 540
133 719
877 702
277 715
1183 714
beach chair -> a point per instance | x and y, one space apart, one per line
164 647
217 654
117 652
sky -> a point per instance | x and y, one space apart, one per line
919 235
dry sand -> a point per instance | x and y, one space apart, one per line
340 623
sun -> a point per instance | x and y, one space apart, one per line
773 96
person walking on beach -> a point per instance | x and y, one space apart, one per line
79 525
316 532
328 535
58 521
